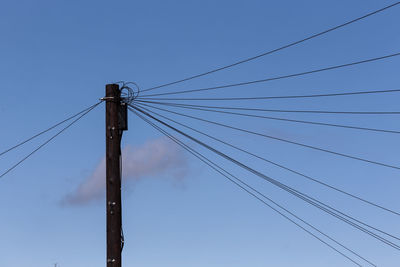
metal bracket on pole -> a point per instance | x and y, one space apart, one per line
107 98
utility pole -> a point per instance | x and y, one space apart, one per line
113 174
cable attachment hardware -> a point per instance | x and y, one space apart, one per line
129 91
106 98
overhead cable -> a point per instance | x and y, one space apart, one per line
276 77
275 164
275 110
312 201
277 49
287 120
48 141
256 194
282 140
320 205
270 97
48 129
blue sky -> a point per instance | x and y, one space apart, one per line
57 56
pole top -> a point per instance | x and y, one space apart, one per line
112 91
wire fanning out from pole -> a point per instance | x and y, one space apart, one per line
273 110
277 49
282 139
308 199
277 77
48 129
82 114
256 194
289 120
272 97
275 164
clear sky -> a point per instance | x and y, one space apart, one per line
57 56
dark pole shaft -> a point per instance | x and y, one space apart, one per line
113 176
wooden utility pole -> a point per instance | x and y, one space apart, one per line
113 175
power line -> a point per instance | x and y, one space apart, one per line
276 164
250 190
295 192
312 201
276 110
301 195
289 120
276 78
273 97
48 140
275 50
215 166
280 139
48 129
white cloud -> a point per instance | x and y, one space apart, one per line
155 157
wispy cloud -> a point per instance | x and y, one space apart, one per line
155 157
